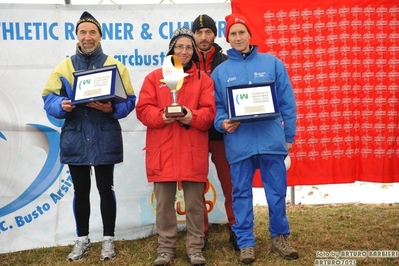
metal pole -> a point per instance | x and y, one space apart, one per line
292 196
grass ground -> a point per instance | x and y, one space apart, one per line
338 228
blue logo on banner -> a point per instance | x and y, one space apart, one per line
2 136
46 177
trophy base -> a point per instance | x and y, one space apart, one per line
174 111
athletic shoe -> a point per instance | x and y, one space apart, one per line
80 249
164 259
196 259
281 245
247 255
108 250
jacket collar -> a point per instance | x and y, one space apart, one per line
234 54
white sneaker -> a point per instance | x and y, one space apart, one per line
80 250
108 250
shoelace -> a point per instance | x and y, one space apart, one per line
246 251
107 245
197 255
163 255
284 243
79 246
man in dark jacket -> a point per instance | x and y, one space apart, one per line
211 55
91 134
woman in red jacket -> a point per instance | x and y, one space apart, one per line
177 148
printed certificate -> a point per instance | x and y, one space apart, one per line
101 84
252 102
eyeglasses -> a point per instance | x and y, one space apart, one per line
180 47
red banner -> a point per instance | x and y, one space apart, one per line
343 60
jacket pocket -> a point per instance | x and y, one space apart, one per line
111 141
153 161
72 142
197 162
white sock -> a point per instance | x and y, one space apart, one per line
83 238
108 238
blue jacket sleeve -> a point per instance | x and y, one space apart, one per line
123 109
52 101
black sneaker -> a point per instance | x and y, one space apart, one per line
233 241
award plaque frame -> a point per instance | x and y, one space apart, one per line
100 84
252 102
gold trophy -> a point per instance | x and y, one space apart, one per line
173 77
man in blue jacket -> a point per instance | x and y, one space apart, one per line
91 135
260 144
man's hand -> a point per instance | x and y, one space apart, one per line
103 107
66 106
230 126
289 146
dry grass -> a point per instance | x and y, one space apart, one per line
313 228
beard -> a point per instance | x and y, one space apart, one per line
87 48
205 46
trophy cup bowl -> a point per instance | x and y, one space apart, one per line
173 77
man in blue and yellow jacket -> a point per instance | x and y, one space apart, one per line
91 135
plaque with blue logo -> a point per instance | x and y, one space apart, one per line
252 102
100 84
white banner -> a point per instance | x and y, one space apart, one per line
35 189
